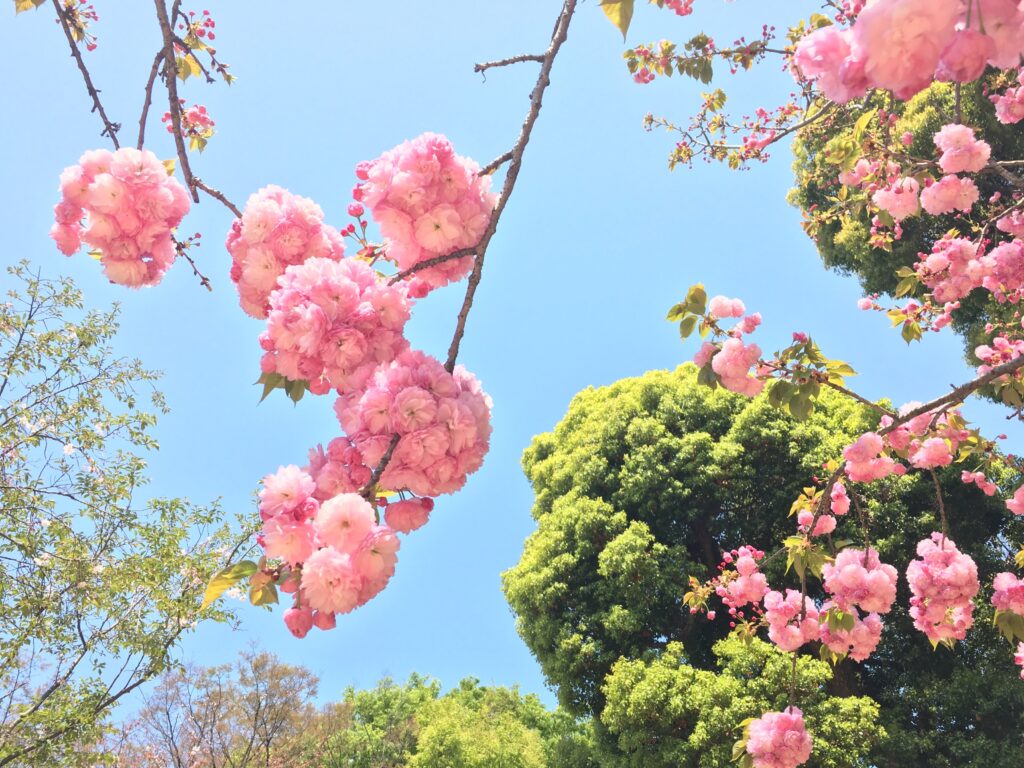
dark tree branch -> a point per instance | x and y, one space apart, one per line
217 195
434 261
513 60
109 129
170 79
495 164
149 97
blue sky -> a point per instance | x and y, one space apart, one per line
597 242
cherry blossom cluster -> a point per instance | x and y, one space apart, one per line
79 14
1008 593
1018 658
857 642
859 579
278 229
779 739
334 555
131 206
733 359
792 619
943 582
196 125
903 45
747 586
956 266
441 420
428 202
1009 105
332 322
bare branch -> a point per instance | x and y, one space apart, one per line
513 60
149 97
217 195
170 79
109 129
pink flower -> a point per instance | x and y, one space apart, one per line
779 740
787 628
344 521
299 621
1009 105
287 539
864 462
858 643
721 307
277 230
840 502
951 193
964 58
131 206
943 583
1018 658
961 151
1016 504
1008 593
933 452
733 363
902 41
408 515
330 583
324 620
285 491
825 56
899 200
859 578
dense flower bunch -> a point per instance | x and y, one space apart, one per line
1018 658
1008 593
859 579
428 202
131 204
903 45
332 322
277 230
943 582
857 642
442 421
748 586
792 619
779 739
335 556
196 125
1009 105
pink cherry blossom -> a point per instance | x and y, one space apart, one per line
733 363
1008 593
943 582
961 151
287 539
409 514
899 199
329 581
344 521
299 621
779 739
859 578
950 193
131 206
786 627
278 229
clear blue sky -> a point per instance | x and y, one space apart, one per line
597 242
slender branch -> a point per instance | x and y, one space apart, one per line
109 129
516 163
513 60
942 507
183 252
216 195
170 78
495 164
433 262
149 97
515 159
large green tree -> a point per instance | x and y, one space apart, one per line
96 585
645 482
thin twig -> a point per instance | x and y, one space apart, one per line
149 97
558 37
433 262
495 164
942 508
109 129
216 195
540 58
183 252
170 79
516 163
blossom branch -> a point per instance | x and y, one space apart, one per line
495 164
109 129
433 262
512 60
515 164
149 97
183 252
170 78
216 195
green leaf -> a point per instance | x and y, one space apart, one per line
225 579
738 750
265 594
707 376
687 325
678 312
862 124
620 12
696 299
801 407
25 5
1019 559
270 382
911 331
170 166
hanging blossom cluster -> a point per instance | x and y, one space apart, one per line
337 324
779 739
332 322
442 421
277 230
732 359
943 582
904 45
334 555
428 202
130 206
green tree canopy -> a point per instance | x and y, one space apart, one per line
645 482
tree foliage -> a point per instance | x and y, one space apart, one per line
646 482
96 587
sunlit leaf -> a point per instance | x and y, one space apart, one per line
225 579
620 12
